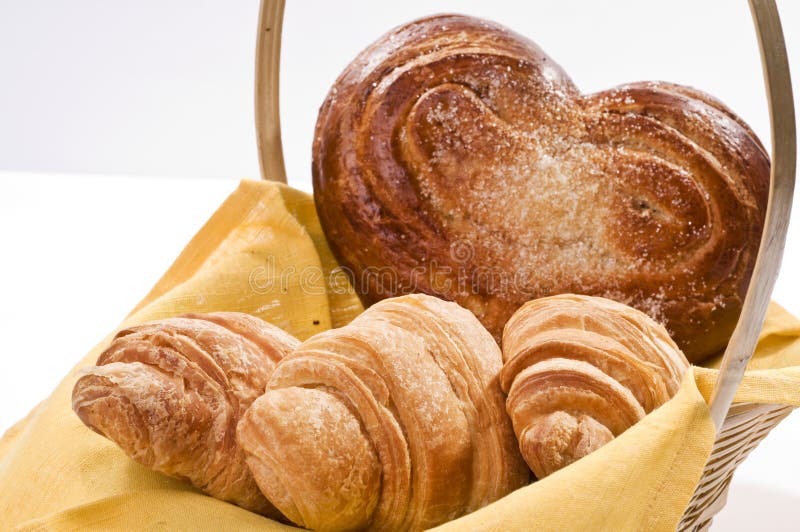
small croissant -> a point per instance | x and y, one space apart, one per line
581 370
170 394
393 422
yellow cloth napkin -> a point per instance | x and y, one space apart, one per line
263 252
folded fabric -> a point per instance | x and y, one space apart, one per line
263 252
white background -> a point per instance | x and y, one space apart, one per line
93 93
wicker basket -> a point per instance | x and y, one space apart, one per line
740 426
744 427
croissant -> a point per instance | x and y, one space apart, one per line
394 422
170 394
458 154
581 370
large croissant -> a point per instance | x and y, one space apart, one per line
171 392
579 371
393 422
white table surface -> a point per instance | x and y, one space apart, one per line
78 252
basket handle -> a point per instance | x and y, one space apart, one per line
784 145
781 108
268 65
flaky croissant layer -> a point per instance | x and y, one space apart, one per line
393 422
581 370
396 421
170 394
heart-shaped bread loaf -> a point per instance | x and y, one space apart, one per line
453 157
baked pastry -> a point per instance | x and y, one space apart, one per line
393 422
581 370
170 394
457 157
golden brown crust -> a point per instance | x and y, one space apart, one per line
581 370
170 393
321 443
410 388
454 158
